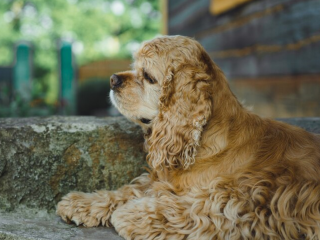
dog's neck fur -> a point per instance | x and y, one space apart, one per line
226 112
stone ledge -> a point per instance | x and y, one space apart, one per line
42 159
14 226
310 124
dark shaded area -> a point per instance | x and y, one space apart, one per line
93 97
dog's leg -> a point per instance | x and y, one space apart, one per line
145 219
161 215
94 209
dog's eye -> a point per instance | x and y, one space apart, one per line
148 78
145 120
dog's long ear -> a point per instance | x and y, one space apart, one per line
185 108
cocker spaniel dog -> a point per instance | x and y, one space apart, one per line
216 171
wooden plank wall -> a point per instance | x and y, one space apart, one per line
269 50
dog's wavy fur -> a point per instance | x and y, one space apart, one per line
217 171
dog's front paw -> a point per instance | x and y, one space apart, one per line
81 208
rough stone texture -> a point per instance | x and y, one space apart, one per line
42 159
311 124
13 226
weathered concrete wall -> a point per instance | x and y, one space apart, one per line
42 159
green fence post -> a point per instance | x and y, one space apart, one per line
67 83
22 71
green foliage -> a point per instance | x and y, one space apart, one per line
99 29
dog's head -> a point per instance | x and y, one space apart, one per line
168 93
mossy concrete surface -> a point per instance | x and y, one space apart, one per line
42 159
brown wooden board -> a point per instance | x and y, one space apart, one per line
298 21
282 62
103 69
193 17
256 39
280 96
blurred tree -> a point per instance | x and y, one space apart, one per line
97 28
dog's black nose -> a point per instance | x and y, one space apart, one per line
115 81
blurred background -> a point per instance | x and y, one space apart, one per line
56 57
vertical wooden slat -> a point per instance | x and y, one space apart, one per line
164 12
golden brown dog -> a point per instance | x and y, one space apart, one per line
217 171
